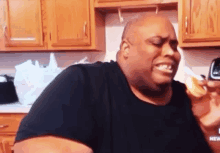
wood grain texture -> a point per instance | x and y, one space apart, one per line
80 29
16 20
82 32
24 25
106 4
198 23
71 23
204 17
7 144
9 123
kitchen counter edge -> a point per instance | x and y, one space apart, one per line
14 109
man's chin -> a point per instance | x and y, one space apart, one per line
161 82
162 78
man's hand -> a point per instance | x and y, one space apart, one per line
206 107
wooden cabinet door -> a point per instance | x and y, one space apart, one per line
200 21
100 1
69 22
130 4
23 25
6 144
150 1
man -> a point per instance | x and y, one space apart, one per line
132 105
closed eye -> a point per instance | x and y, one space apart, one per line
174 44
157 41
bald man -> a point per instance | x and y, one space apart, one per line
132 105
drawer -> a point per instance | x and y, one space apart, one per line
10 122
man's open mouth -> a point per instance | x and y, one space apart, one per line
167 68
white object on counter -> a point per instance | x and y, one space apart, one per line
30 80
3 79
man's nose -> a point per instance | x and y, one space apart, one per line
168 50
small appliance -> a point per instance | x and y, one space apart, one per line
214 70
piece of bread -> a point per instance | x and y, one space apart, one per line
194 88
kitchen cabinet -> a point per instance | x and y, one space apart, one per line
6 144
9 123
74 25
199 22
23 24
45 25
70 22
106 4
20 25
100 1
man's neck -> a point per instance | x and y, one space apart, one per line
160 98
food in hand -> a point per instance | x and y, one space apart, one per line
194 88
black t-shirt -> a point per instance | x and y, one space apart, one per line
93 104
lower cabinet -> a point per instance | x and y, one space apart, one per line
9 123
6 144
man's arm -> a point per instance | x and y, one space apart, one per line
208 133
206 108
62 110
50 144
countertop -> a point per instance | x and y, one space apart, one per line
14 108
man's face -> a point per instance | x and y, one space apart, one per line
154 58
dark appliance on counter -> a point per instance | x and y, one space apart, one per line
214 70
7 90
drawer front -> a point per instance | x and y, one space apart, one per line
10 122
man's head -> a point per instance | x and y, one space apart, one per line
148 52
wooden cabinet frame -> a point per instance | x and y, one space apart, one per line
131 4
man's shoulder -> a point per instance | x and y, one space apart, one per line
179 89
92 68
179 85
96 65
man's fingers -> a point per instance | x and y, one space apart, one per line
194 97
213 84
202 82
215 94
210 84
214 90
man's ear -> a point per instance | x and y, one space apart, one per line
125 48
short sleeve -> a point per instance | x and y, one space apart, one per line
63 109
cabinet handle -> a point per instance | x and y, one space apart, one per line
3 126
84 28
186 24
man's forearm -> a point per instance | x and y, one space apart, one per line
212 137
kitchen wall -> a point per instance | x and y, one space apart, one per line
198 60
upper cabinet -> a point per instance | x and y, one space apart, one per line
100 1
20 24
69 22
130 3
23 24
199 22
41 25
